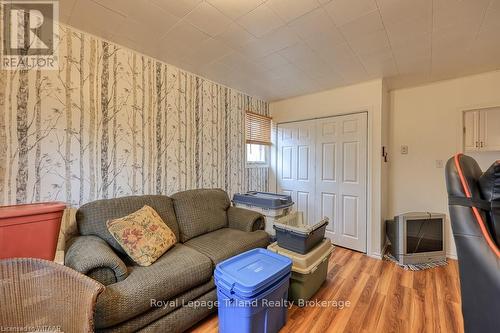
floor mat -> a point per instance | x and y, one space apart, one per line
415 267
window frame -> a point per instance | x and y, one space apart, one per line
254 164
265 144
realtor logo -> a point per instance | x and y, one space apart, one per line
29 34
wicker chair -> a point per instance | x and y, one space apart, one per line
36 294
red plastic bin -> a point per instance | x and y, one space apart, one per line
30 230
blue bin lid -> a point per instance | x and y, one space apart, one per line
264 199
251 272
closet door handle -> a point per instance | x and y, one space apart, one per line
477 144
482 144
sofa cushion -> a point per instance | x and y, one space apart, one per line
178 270
225 243
161 310
143 235
200 211
91 217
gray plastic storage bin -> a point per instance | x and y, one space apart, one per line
264 200
309 271
273 206
267 212
292 234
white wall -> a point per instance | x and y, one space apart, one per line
384 201
428 119
365 96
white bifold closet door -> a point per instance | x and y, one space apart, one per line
296 165
322 164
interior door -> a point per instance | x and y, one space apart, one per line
295 165
337 160
341 184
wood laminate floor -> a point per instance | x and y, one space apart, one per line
383 298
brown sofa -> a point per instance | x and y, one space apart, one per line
161 297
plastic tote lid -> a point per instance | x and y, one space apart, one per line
263 199
251 272
31 209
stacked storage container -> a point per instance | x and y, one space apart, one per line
273 206
30 230
252 289
293 234
309 251
304 244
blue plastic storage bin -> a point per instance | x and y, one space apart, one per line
252 289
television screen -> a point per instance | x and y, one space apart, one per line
424 235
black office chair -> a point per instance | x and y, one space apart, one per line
474 203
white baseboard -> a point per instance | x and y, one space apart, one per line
451 256
378 255
375 255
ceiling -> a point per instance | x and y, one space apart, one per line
275 49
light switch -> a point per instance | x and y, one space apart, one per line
439 164
404 149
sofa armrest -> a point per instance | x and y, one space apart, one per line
90 254
245 220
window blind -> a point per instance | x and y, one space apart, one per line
258 129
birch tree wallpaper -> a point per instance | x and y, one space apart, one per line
112 122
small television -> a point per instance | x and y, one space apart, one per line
417 238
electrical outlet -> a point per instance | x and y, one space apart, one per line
439 164
404 149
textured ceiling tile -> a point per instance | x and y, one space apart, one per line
336 54
94 18
361 26
315 23
208 19
177 7
450 13
330 81
340 42
370 43
235 9
65 10
123 7
151 18
413 51
345 11
271 61
182 38
260 21
414 66
270 43
407 33
236 36
399 11
208 51
289 10
297 52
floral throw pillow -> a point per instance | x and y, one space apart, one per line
143 235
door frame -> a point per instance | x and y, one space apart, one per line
370 218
